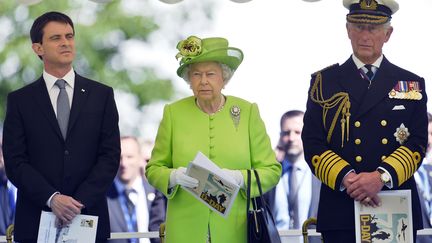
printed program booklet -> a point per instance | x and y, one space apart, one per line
215 189
390 223
81 230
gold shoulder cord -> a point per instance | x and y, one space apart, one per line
340 99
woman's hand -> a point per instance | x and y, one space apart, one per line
179 177
236 175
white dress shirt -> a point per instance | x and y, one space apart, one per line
141 208
54 90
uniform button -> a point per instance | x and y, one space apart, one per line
384 141
357 124
358 158
383 157
357 141
383 123
66 152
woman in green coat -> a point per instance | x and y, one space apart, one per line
227 129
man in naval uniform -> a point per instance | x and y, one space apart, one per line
365 127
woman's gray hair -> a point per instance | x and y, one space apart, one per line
227 73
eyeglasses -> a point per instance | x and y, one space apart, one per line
373 29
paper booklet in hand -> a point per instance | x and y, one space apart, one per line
216 189
390 222
81 230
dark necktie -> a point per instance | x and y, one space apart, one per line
292 198
369 72
131 208
63 108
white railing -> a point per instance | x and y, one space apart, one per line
283 234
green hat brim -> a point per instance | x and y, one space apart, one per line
230 56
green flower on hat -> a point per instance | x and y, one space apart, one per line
190 47
214 49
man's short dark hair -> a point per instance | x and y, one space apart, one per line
290 114
36 31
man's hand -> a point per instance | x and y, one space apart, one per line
65 208
346 181
364 188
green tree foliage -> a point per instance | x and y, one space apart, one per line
101 31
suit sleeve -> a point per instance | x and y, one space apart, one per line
102 175
405 160
325 164
20 172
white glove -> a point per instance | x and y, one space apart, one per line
236 175
179 177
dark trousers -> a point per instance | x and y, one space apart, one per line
344 236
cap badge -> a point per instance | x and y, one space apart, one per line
368 4
401 134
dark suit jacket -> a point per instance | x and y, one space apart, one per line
371 143
313 207
39 162
426 222
156 204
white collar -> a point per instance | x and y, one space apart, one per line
50 79
360 64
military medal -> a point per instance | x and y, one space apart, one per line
406 90
235 115
401 134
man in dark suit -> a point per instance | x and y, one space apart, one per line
295 197
365 127
61 139
134 205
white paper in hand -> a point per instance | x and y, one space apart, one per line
81 230
216 189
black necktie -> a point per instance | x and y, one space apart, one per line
292 198
129 193
369 72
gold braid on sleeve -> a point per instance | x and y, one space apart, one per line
339 100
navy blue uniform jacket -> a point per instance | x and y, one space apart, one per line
373 120
40 162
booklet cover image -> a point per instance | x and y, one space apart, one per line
217 193
389 223
384 228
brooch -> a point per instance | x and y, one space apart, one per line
401 134
235 115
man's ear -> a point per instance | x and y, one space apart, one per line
38 49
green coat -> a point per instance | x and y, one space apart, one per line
185 130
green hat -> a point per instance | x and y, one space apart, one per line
215 49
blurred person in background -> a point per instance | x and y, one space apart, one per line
7 198
132 201
227 129
423 177
295 198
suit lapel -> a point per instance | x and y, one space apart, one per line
43 100
381 86
80 94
